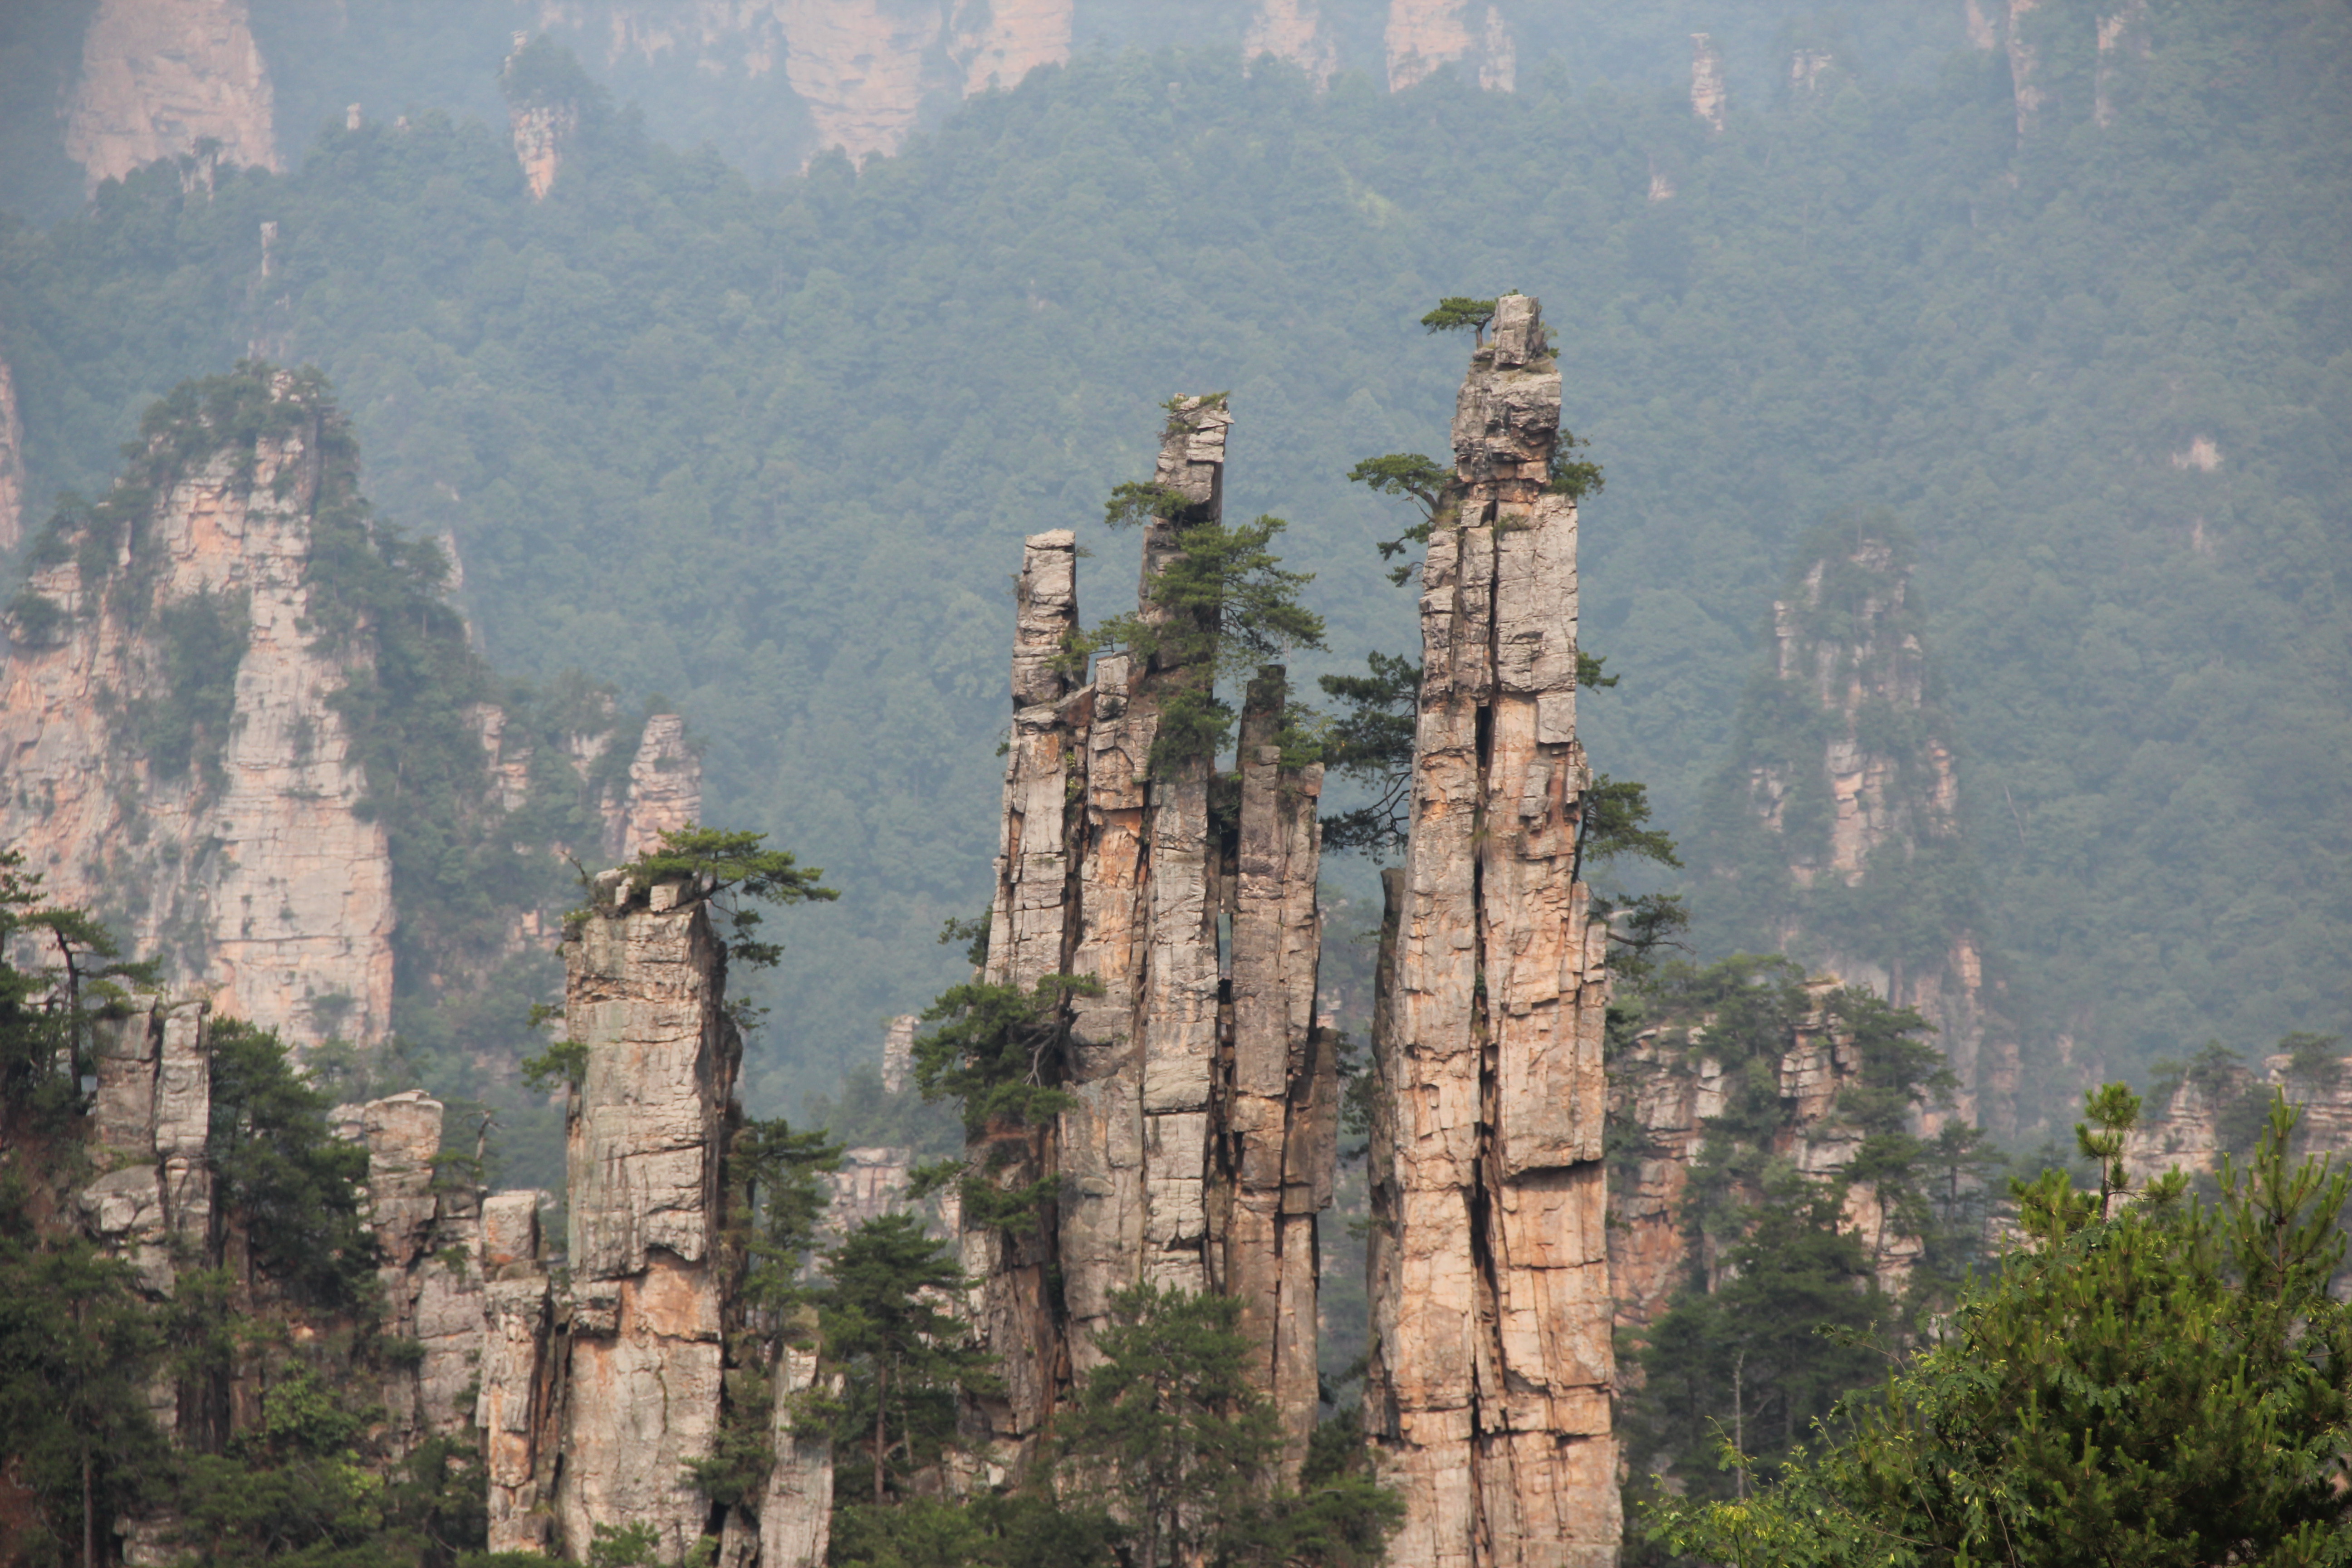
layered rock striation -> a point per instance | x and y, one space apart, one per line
1488 1398
1200 1145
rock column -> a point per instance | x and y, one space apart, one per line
1199 1148
642 1379
1490 1389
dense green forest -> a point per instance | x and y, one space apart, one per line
767 449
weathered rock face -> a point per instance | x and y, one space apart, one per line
159 75
179 761
597 1397
541 133
1837 831
2217 1108
1708 93
1661 1093
430 1230
1424 35
644 1359
152 1202
864 70
218 828
1292 31
1201 1146
1489 1394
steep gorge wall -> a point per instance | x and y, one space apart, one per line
1489 1394
213 816
159 76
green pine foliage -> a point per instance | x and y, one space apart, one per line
1783 1316
2163 1381
907 1357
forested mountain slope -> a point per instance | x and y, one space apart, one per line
768 451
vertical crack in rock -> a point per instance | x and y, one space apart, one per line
1200 1144
646 982
1492 1365
256 871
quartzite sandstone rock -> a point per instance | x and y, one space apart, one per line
247 861
1663 1092
1846 641
1488 1395
1201 1143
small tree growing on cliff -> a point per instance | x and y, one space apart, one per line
726 867
886 1322
1218 610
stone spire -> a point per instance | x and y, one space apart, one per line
1488 1394
1198 1147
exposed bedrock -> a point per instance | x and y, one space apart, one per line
1488 1395
1200 1147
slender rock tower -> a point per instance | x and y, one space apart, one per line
1200 1145
1489 1394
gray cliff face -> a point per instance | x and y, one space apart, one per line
1489 1394
1199 1148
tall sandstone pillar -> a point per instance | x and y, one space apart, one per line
1199 1148
1488 1395
645 992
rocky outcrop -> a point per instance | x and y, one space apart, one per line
2216 1109
1844 807
864 71
1708 93
541 133
1663 1090
643 1358
157 78
1292 31
2026 68
179 758
1424 36
151 1202
1199 1146
428 1225
898 1053
212 815
597 1394
1487 1399
998 42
